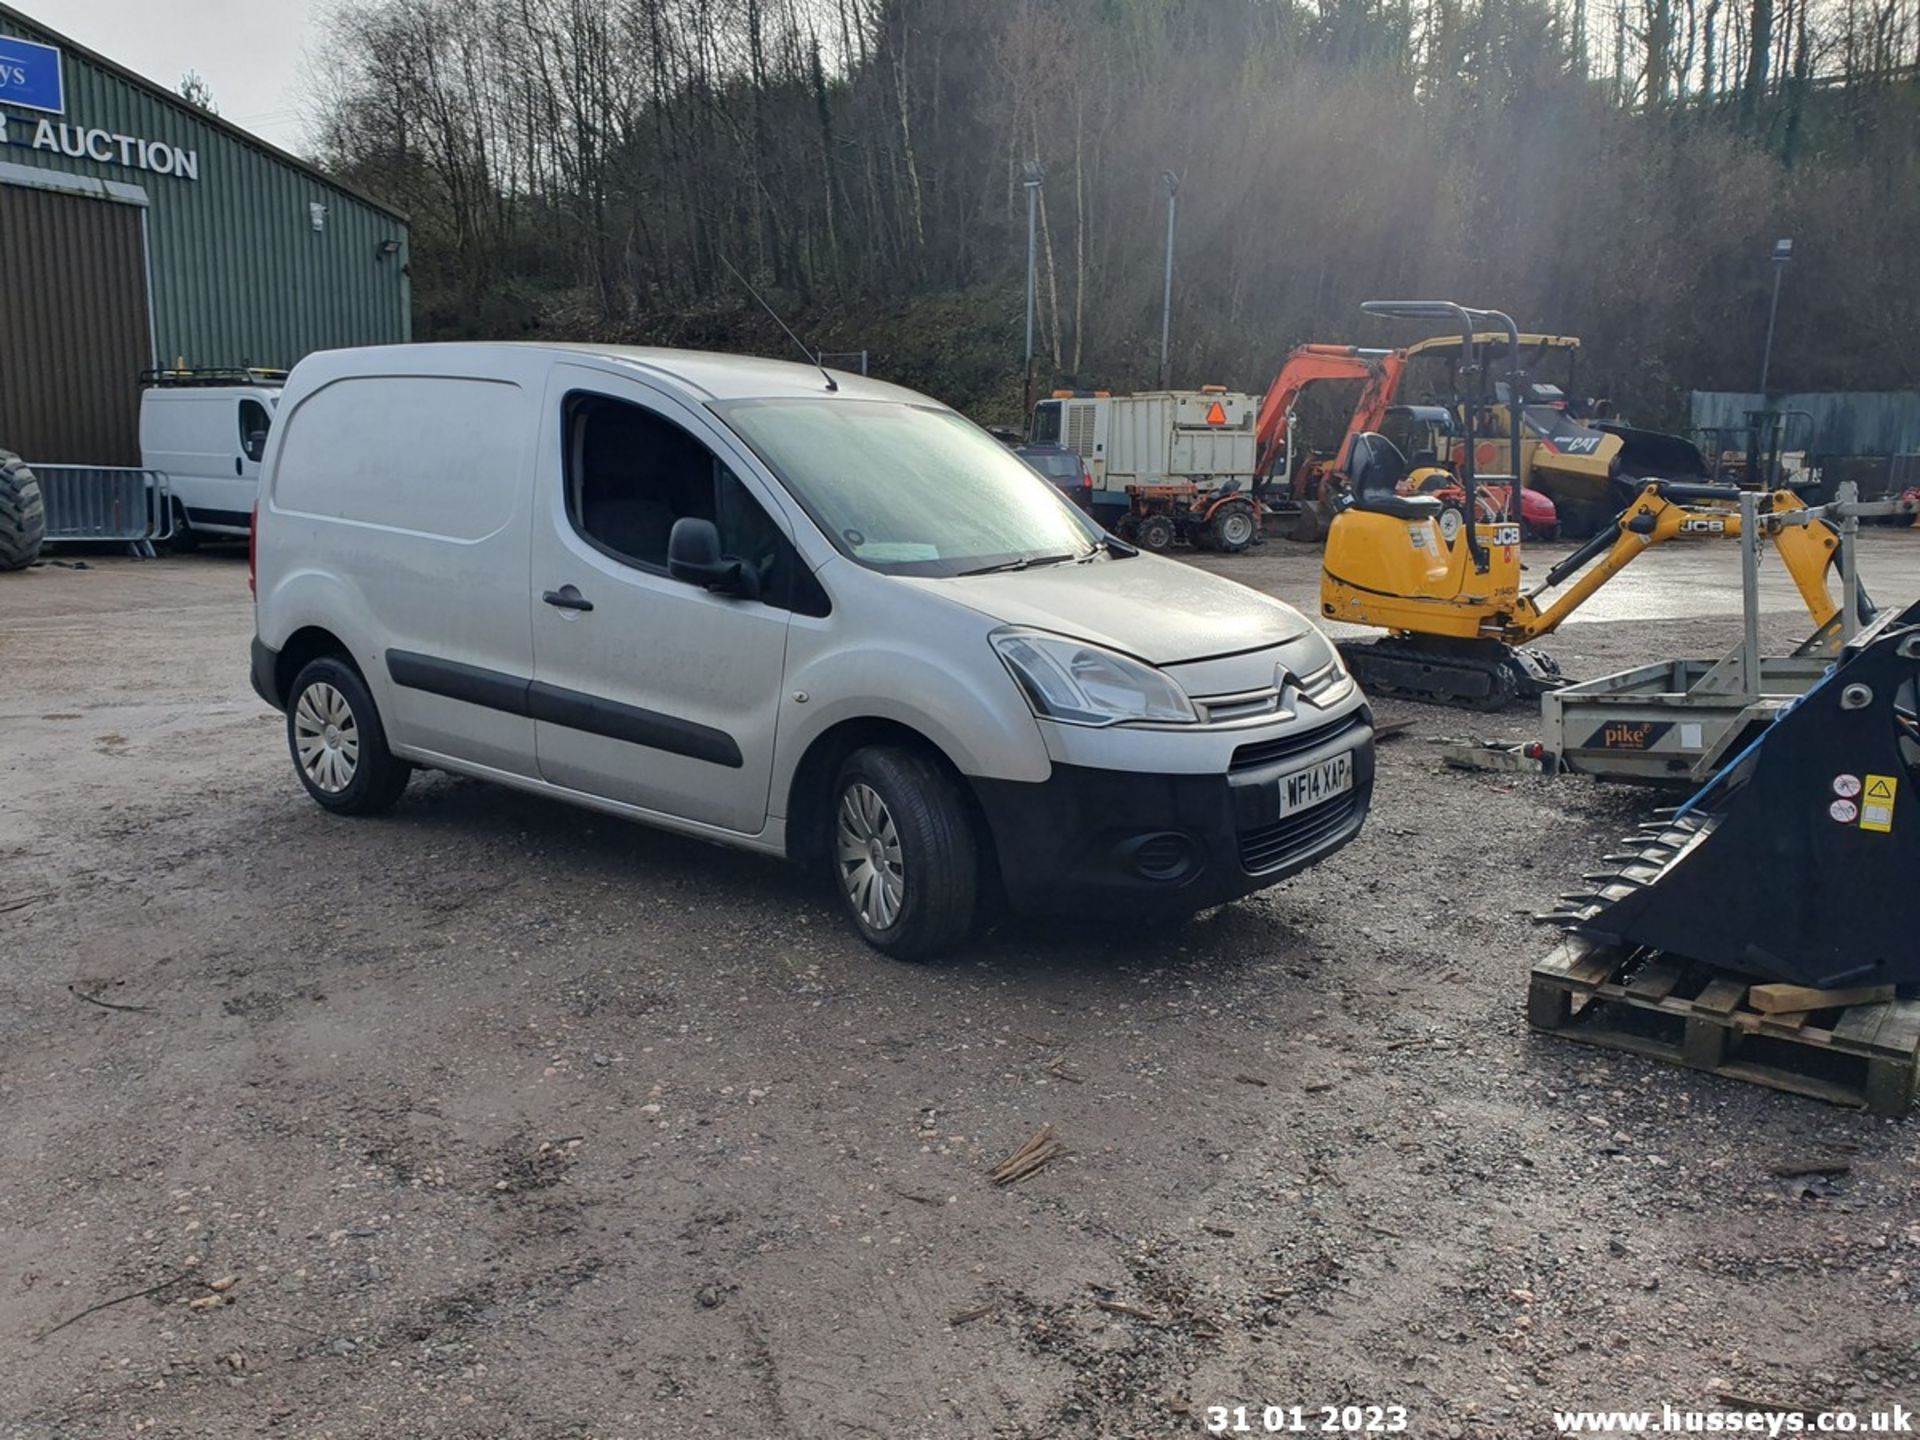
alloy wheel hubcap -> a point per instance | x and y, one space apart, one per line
868 848
325 737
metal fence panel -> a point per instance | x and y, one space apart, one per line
94 504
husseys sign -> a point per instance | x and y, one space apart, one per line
30 78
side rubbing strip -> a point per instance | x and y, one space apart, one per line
488 688
634 725
496 691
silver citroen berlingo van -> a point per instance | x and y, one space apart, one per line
794 611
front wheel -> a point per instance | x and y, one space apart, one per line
339 745
185 539
905 862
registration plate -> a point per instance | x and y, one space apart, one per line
1304 789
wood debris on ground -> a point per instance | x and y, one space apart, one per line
1036 1154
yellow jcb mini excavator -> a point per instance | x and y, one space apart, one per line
1451 600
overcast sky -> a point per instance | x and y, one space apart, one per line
250 52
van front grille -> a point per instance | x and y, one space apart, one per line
1271 846
1258 753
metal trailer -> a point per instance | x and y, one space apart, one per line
1676 722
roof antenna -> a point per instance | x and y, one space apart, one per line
812 359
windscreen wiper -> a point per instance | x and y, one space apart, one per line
1020 562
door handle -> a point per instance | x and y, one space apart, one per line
567 598
238 469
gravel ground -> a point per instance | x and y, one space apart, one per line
491 1118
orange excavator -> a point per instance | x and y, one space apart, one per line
1307 487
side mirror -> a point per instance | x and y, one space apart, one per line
256 444
693 556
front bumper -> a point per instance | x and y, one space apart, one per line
1127 845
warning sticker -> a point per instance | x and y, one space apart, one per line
1845 812
1846 786
1876 804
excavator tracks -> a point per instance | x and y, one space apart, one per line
1470 674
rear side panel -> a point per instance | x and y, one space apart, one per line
396 518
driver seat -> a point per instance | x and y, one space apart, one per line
1376 469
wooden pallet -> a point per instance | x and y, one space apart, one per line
1688 1014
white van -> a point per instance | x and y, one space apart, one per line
807 614
206 432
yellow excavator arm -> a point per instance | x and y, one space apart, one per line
1666 512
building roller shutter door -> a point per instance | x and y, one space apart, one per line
74 327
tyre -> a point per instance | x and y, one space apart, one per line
338 744
904 856
1579 520
23 516
1233 528
1156 533
185 539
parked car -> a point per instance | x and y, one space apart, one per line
206 430
1064 468
1539 516
828 619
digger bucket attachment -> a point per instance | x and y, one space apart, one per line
1799 861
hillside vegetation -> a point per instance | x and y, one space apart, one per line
592 167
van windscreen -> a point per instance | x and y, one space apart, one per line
910 489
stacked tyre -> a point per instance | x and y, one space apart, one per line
23 518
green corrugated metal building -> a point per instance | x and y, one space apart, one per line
137 230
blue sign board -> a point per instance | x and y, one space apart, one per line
30 76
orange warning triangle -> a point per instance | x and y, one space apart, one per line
1879 787
1216 414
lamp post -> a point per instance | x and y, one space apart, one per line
1782 257
1166 293
1035 176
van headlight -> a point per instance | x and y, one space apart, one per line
1084 684
1320 672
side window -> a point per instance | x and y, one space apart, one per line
631 474
254 424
